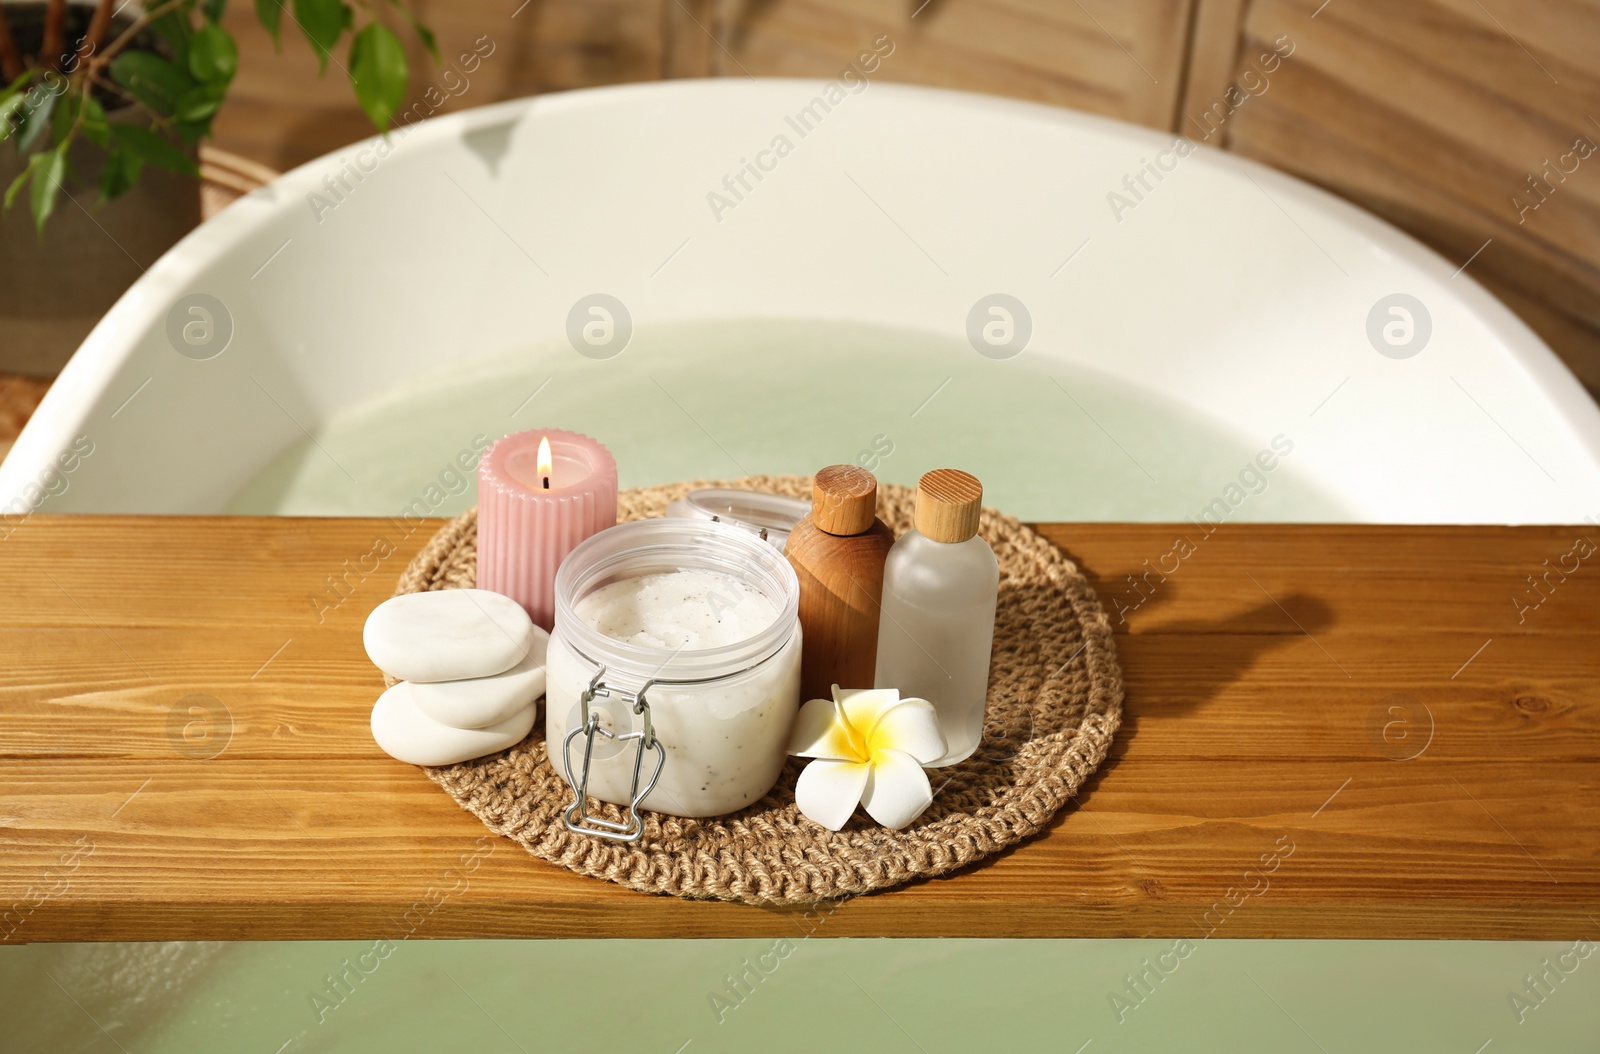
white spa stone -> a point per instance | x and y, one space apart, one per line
407 734
484 701
447 635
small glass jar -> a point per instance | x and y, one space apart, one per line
718 718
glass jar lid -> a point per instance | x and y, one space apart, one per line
642 547
768 516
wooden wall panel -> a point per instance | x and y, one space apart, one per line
1447 118
1213 60
1122 60
282 114
689 47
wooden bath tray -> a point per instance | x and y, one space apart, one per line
1355 732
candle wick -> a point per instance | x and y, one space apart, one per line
547 483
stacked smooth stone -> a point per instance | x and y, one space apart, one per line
471 668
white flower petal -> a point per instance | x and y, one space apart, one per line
897 790
818 733
863 706
828 791
912 725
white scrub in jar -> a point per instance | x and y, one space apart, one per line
726 736
691 610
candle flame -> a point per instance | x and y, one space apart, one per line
546 462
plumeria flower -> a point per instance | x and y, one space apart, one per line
870 746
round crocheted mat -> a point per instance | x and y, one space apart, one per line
1055 700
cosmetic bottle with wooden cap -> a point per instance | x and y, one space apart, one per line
940 585
838 552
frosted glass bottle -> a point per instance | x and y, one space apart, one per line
940 584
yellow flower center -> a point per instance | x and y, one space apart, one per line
865 746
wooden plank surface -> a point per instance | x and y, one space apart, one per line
1470 124
184 750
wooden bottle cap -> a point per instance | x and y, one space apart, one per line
948 504
844 499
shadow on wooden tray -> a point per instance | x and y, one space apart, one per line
1214 655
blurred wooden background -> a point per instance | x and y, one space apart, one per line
1454 119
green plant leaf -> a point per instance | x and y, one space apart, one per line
36 121
121 171
378 73
95 127
423 32
66 111
199 104
191 132
21 181
46 185
153 148
12 98
270 14
213 57
322 21
152 79
174 28
213 9
9 105
21 82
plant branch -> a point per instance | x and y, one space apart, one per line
111 51
118 90
55 35
99 23
83 104
10 60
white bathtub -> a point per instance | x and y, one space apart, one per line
1242 295
1228 292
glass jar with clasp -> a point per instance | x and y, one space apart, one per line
673 676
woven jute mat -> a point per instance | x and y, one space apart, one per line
1055 701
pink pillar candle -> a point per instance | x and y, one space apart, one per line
530 516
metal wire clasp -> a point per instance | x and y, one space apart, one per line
577 816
